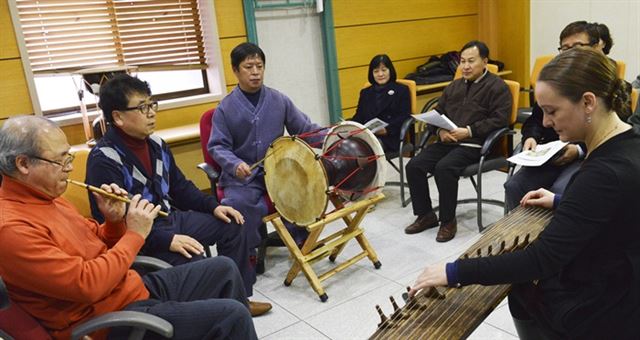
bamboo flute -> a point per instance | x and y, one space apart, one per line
107 194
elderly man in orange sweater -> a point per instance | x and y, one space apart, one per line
64 269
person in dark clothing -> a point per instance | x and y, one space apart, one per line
478 103
581 278
386 100
130 155
554 174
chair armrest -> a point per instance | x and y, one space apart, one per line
430 104
425 137
518 148
405 127
140 322
493 138
209 171
150 263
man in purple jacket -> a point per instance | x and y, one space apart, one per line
245 123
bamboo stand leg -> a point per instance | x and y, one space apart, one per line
352 225
332 245
364 244
299 260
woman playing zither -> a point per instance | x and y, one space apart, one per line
581 278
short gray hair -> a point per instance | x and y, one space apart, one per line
20 135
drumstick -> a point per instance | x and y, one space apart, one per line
254 165
108 194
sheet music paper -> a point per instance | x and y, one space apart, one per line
539 156
376 124
434 118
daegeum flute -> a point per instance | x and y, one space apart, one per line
107 194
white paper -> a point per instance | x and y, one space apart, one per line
433 117
539 156
376 124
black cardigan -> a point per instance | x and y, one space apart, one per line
394 109
587 260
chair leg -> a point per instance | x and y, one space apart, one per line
400 169
479 207
402 182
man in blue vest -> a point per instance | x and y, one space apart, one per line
141 163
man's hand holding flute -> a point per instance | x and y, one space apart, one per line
138 216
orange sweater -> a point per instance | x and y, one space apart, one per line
60 267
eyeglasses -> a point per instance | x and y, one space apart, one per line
144 108
566 47
68 159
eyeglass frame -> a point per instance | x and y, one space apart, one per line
153 105
64 164
579 44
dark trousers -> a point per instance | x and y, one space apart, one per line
202 300
446 163
250 201
550 177
229 238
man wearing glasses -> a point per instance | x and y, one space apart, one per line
553 175
64 269
141 163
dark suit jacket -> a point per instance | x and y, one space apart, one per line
394 108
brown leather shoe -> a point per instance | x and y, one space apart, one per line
259 308
447 231
422 223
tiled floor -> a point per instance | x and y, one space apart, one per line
350 311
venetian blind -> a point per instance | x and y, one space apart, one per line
69 35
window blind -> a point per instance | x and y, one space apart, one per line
63 36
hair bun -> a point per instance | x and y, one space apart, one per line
620 99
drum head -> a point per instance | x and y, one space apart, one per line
296 180
356 130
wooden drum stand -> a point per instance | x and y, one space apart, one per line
349 172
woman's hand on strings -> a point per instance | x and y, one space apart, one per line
112 209
538 198
432 276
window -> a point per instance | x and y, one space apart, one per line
160 41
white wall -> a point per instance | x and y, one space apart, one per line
292 42
549 17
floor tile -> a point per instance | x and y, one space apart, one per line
298 331
353 293
357 319
501 319
275 320
301 300
488 332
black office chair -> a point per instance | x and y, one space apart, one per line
16 324
494 152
